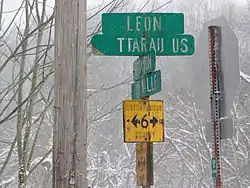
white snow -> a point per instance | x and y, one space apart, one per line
245 76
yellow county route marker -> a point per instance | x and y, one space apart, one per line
143 121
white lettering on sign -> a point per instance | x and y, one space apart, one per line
180 45
120 39
157 23
136 46
149 84
141 45
128 24
147 23
138 23
146 63
142 65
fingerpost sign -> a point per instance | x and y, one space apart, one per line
145 35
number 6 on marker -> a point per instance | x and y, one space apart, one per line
144 125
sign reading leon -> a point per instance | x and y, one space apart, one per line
143 121
132 24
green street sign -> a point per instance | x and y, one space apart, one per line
143 65
213 164
149 84
135 24
136 92
213 167
178 45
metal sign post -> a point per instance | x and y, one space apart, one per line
219 39
216 98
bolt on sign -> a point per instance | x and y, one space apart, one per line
143 121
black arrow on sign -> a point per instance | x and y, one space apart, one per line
154 121
135 121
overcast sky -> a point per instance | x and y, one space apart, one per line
11 5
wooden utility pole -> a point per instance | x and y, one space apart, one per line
70 108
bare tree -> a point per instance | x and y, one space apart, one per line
26 95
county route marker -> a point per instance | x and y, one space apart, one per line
143 121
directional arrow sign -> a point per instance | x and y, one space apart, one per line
143 121
154 121
135 121
167 45
231 74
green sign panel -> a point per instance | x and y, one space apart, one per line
213 164
149 84
135 24
136 91
178 45
213 167
144 64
